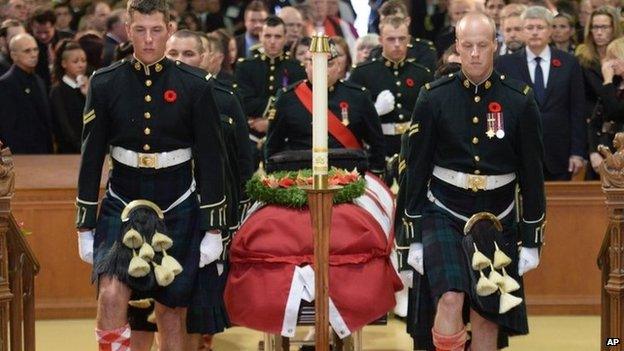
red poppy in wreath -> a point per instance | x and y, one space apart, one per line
409 82
170 96
494 107
556 63
344 105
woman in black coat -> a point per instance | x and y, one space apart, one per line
608 116
67 96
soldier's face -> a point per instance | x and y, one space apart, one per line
185 50
149 34
394 42
273 40
476 46
333 69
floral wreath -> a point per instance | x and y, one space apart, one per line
286 187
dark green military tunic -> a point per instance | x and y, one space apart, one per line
291 127
259 78
150 109
450 130
421 50
404 80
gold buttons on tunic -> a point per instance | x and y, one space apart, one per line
477 158
148 83
475 119
398 83
477 98
270 87
271 78
146 147
147 131
272 68
148 98
147 115
396 73
475 140
477 172
399 94
399 105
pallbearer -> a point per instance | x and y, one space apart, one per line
152 116
474 136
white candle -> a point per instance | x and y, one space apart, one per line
320 163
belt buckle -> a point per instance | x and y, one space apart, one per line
401 128
476 182
147 160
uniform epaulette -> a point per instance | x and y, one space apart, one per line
414 63
352 85
219 86
366 63
423 41
441 81
516 85
199 73
113 66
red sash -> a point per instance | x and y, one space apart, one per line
335 127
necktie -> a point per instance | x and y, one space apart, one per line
538 81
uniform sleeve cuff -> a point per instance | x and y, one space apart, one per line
532 232
86 214
214 216
410 230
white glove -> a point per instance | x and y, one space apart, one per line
415 257
210 249
85 246
528 259
384 103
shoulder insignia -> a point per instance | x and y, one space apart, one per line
439 82
208 76
218 86
411 59
113 66
271 114
516 85
240 59
363 88
410 45
88 117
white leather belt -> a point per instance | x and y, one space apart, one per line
395 128
472 181
153 160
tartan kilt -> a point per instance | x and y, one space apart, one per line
182 226
447 262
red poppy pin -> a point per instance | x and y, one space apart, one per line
170 96
556 63
494 107
344 105
409 82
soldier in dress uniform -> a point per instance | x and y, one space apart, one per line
421 50
475 136
158 120
259 78
393 81
352 120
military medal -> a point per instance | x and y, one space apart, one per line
495 124
344 111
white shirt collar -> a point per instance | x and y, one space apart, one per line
545 54
72 83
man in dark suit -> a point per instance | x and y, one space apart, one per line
8 30
115 35
446 36
557 81
42 26
255 14
24 106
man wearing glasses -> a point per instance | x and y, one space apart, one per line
557 81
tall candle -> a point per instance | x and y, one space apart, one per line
320 163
